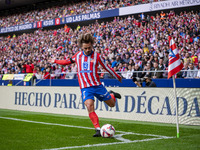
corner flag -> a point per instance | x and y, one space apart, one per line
175 64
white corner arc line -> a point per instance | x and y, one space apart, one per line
118 136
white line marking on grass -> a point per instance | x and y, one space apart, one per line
81 127
46 123
161 136
72 126
106 144
118 136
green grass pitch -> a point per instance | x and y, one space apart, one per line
22 130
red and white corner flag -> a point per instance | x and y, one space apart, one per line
175 64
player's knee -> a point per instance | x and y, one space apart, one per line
90 107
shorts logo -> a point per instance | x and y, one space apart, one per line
105 95
85 65
84 94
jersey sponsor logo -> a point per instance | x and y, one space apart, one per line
85 71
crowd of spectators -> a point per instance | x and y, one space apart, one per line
66 8
128 44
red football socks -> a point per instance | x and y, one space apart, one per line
95 120
113 97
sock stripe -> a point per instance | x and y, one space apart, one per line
113 97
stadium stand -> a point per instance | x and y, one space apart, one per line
125 43
64 8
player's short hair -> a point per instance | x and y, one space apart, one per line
85 38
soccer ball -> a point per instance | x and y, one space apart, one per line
107 130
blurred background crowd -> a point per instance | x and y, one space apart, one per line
64 8
128 44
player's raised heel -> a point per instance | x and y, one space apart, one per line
117 95
97 134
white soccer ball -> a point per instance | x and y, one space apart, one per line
107 130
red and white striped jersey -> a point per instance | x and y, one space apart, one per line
87 66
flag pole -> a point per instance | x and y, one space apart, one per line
176 103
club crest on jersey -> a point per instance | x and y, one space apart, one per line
85 65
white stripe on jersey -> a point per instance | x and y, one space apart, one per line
94 64
78 67
89 76
84 78
110 71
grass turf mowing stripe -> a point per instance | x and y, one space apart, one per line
106 144
46 123
17 135
102 119
80 127
118 136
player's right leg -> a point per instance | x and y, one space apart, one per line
88 99
89 103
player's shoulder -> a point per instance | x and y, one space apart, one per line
97 54
77 53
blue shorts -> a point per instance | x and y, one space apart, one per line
99 92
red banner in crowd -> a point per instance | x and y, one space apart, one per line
39 24
57 21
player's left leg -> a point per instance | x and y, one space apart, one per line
108 97
112 100
116 95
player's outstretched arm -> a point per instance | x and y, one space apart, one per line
64 62
61 62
